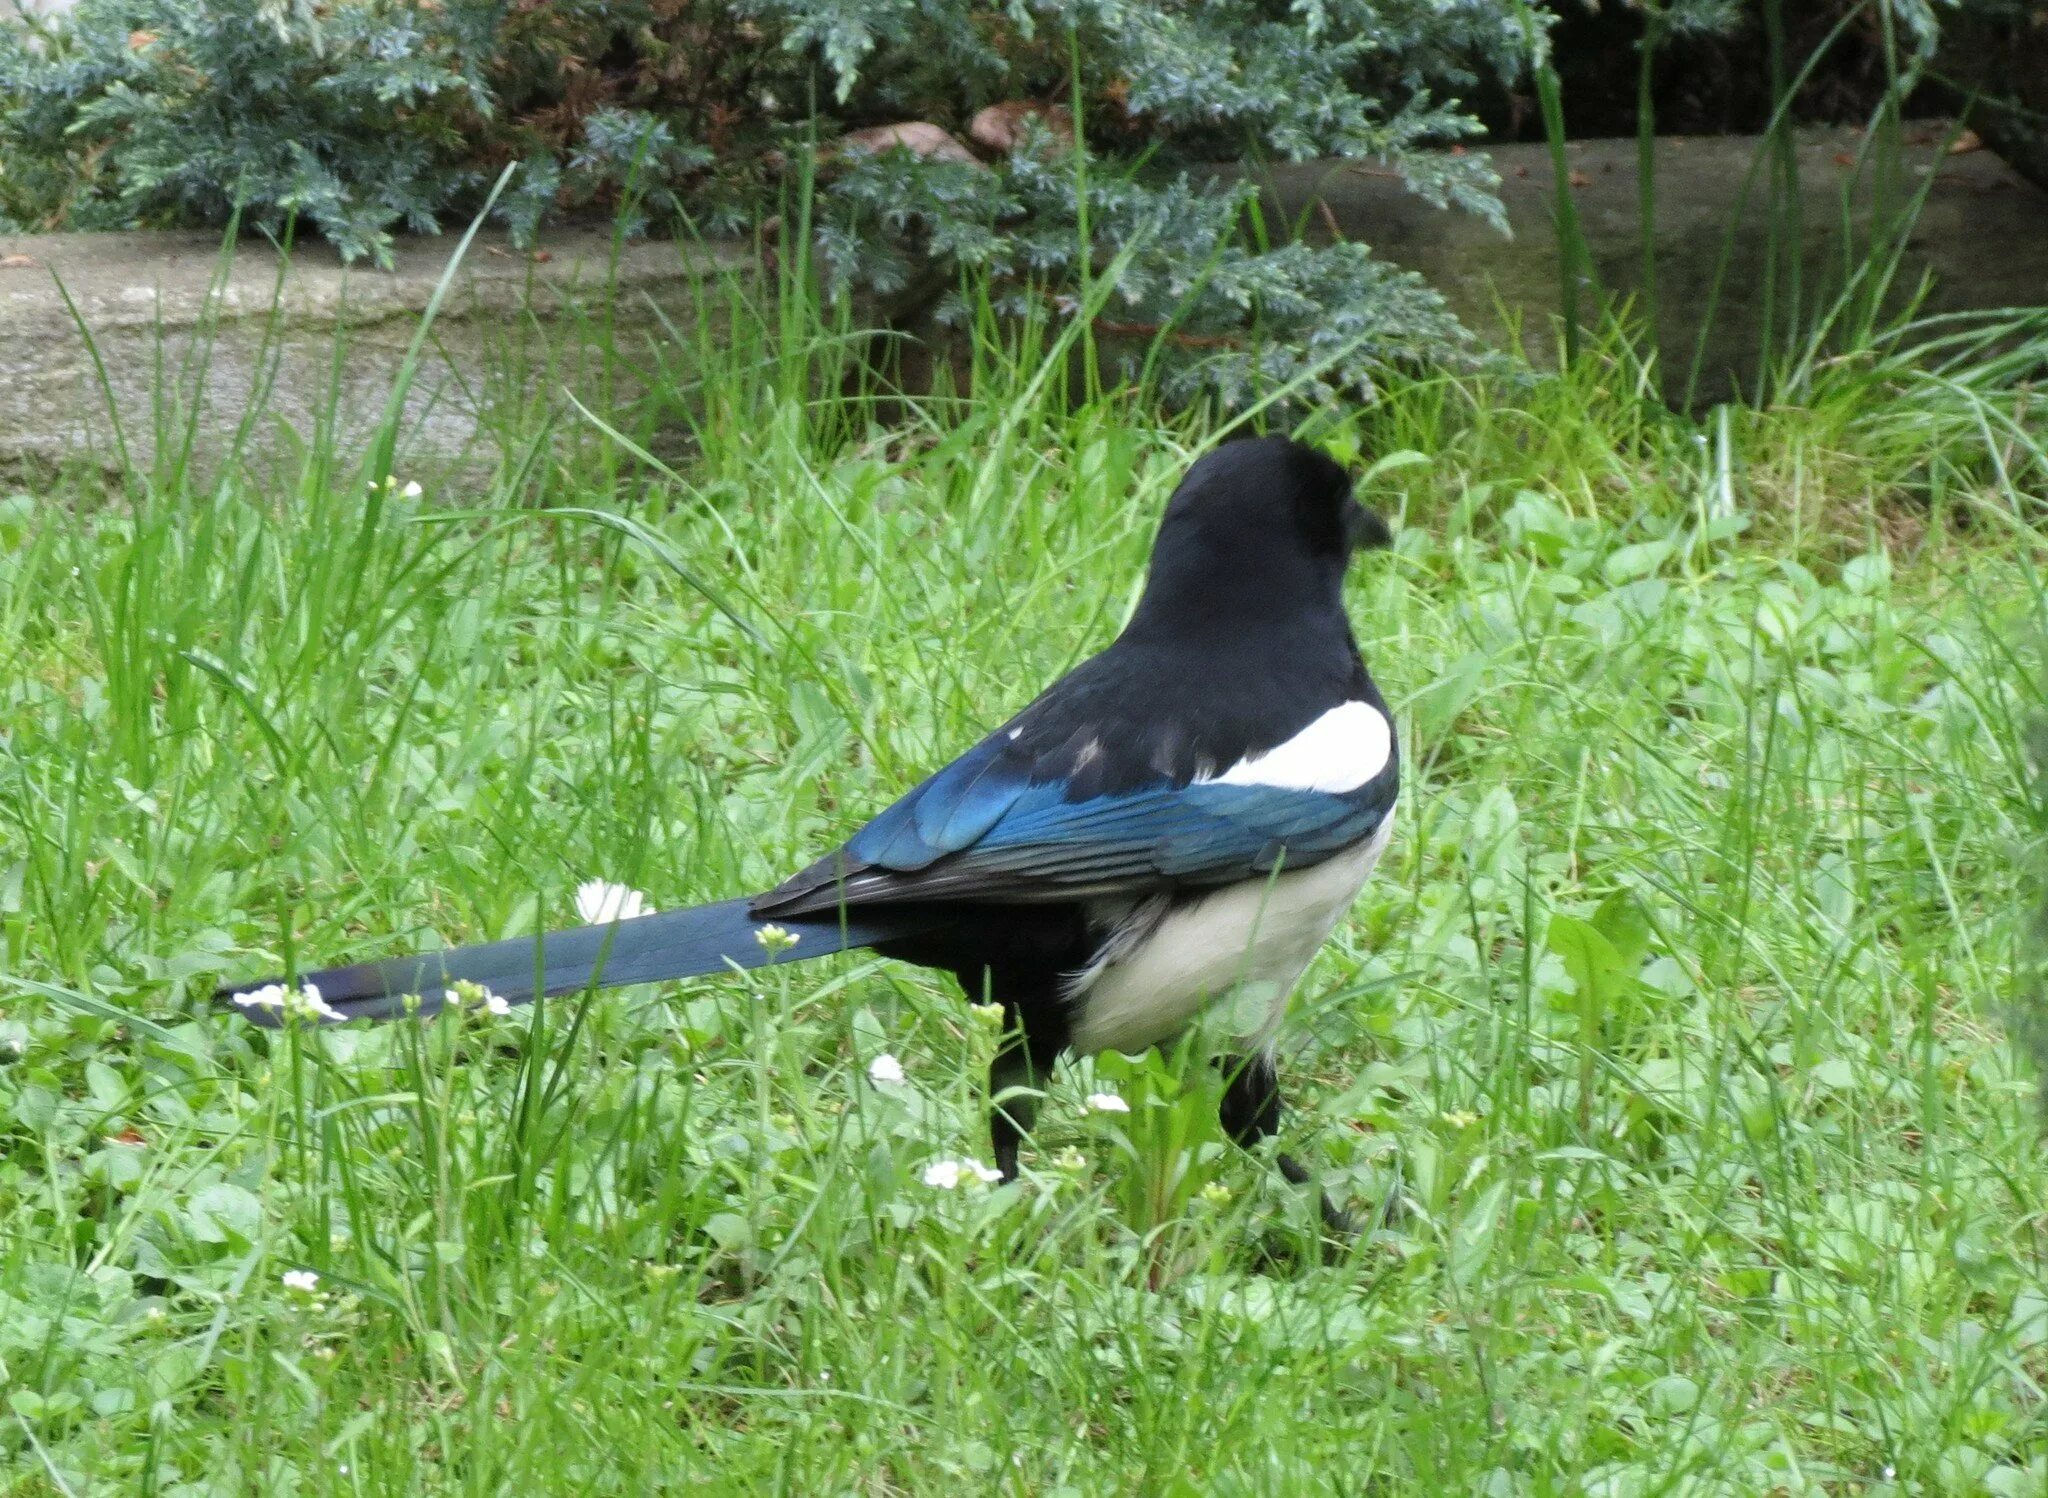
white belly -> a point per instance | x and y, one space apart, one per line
1247 941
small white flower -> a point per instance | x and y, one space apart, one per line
949 1175
600 902
305 1281
774 938
1107 1102
410 491
312 1006
293 1003
884 1070
465 995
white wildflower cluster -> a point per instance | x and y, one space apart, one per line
305 1281
599 902
775 939
1107 1102
410 489
468 995
287 1002
885 1070
951 1175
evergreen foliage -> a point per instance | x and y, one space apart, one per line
362 118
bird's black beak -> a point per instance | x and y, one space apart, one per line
1364 530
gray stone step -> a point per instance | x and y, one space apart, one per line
1981 233
171 319
176 327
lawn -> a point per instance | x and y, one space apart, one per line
1676 1017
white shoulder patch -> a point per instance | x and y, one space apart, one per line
1340 751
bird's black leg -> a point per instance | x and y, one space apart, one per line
1025 1060
1250 1111
1017 957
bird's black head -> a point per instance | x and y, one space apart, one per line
1261 527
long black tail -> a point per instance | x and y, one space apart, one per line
646 949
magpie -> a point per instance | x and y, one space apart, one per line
1177 822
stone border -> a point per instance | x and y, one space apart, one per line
258 325
1982 233
513 329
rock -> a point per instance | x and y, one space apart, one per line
920 138
998 128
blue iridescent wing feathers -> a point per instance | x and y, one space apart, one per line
984 828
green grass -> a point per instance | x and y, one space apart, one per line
1674 1013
